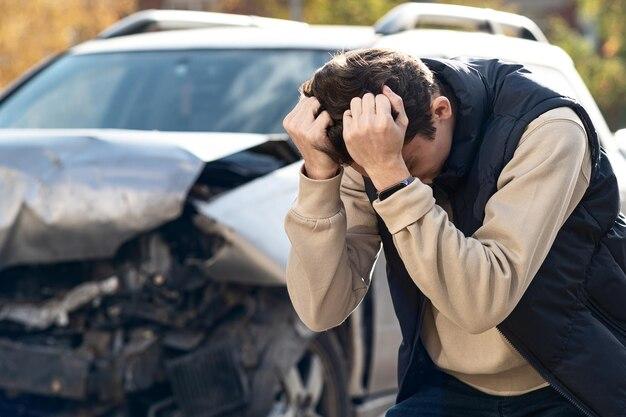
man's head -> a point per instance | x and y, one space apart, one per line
355 73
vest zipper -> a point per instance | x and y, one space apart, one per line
553 383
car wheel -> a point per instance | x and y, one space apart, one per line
316 386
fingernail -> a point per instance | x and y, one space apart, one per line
385 88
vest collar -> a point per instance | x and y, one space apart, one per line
472 108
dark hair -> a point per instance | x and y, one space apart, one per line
355 73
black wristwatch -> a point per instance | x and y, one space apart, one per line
390 190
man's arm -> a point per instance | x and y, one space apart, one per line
334 236
477 281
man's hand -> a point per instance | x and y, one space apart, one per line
307 132
374 139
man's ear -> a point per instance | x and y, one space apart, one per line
441 108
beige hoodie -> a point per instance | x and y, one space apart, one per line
472 282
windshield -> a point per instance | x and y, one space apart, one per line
247 91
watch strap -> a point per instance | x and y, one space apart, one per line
383 194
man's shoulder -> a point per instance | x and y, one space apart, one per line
560 122
559 130
565 114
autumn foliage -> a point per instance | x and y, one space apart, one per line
31 30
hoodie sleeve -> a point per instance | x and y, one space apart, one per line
334 243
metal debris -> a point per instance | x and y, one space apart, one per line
56 311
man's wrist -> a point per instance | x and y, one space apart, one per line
320 173
383 194
386 176
318 198
405 206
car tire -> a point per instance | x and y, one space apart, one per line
317 385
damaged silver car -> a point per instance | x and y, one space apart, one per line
145 178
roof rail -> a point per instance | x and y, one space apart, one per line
409 16
163 20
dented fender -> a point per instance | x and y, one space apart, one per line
250 219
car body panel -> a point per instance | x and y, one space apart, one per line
251 219
409 16
80 196
330 38
162 20
387 337
206 146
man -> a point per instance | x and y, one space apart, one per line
498 217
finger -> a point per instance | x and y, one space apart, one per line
312 104
323 121
307 108
287 118
383 105
347 122
291 115
302 100
355 107
297 108
397 105
368 105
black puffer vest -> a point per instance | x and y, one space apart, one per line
571 322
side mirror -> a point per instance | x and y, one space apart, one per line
620 140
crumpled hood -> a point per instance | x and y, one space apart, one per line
69 195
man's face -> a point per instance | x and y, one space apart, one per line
424 156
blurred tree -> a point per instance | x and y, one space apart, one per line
271 8
493 4
33 29
352 12
601 66
600 58
345 12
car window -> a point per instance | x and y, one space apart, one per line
202 90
